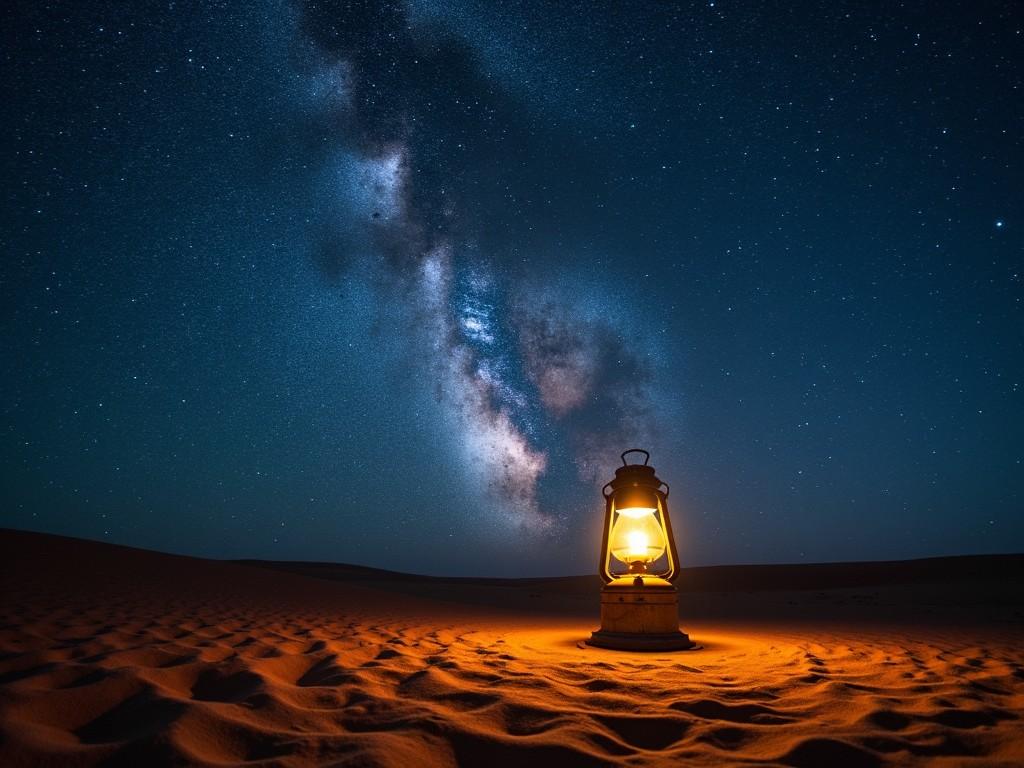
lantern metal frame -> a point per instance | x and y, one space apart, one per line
639 608
648 481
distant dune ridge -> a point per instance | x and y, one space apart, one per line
118 656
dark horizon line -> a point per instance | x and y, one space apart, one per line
369 570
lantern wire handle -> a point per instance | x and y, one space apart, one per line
647 456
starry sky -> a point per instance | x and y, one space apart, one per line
395 283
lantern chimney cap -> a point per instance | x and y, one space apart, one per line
634 475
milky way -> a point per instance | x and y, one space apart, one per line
395 282
509 358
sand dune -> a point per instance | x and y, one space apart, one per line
119 656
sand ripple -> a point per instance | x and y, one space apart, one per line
404 693
276 670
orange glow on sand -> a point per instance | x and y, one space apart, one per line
159 658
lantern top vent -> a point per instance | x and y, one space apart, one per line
634 474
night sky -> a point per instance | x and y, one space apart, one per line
394 284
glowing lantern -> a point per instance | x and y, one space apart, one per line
639 562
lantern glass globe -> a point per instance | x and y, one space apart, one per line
637 537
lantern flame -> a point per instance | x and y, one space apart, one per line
638 543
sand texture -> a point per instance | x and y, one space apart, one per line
116 656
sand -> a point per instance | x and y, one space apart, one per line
110 655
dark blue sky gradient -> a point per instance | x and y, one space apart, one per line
395 283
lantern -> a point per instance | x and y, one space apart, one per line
639 562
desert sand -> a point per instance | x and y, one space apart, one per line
111 655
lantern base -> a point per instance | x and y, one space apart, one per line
641 641
640 614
